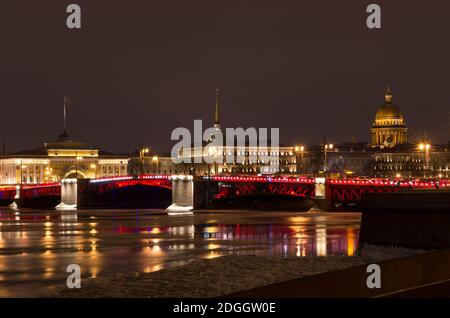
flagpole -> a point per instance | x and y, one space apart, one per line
65 100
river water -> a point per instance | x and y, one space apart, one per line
36 246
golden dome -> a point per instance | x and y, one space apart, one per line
389 127
388 110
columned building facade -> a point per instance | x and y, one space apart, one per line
62 158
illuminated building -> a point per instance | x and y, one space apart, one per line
408 161
62 158
246 159
390 155
389 127
343 160
394 157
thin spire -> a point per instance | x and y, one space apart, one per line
217 112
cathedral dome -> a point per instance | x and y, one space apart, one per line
389 127
388 111
388 114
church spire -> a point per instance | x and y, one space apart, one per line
388 96
217 111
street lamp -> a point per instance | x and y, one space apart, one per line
301 150
426 148
142 153
326 147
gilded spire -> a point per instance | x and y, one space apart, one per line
217 112
388 96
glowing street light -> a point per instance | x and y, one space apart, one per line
426 148
300 149
142 153
326 147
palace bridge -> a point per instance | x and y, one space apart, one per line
219 192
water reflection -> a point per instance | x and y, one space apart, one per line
36 246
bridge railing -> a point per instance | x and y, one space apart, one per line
129 177
390 183
278 179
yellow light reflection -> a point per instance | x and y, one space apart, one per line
156 268
48 235
212 246
212 255
351 240
155 230
211 229
299 219
49 272
94 271
321 242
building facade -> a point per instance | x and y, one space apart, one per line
62 158
389 155
242 159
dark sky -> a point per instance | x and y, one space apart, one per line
139 69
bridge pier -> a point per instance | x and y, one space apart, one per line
16 197
69 195
182 194
322 196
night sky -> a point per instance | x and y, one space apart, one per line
139 69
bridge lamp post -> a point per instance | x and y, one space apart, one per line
301 150
326 147
142 153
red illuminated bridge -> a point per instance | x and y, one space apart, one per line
156 187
